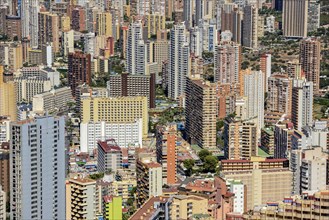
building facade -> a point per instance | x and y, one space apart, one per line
200 113
37 169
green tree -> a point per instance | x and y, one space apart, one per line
189 164
210 163
96 176
203 154
219 125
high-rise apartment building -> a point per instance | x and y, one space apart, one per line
302 103
13 27
79 69
29 17
231 19
82 199
265 67
116 110
309 166
313 22
309 58
282 139
200 114
78 19
4 129
37 169
48 28
161 49
254 91
3 202
250 26
295 18
178 61
166 152
267 140
132 85
149 180
279 94
4 167
27 87
104 24
7 97
240 139
109 156
227 62
136 50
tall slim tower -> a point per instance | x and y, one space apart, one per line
309 59
48 30
136 50
254 91
37 169
294 18
279 94
227 63
302 103
79 71
178 61
29 17
249 31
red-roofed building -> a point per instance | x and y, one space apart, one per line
109 156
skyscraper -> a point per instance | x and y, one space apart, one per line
200 113
79 69
249 30
294 18
279 94
37 169
302 103
178 61
309 59
254 91
227 62
265 67
29 17
48 30
136 50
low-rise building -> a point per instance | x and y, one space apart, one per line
112 207
308 206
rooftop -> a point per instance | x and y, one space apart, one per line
149 208
109 146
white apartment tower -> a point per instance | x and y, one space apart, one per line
136 50
29 17
37 169
302 103
254 91
179 53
